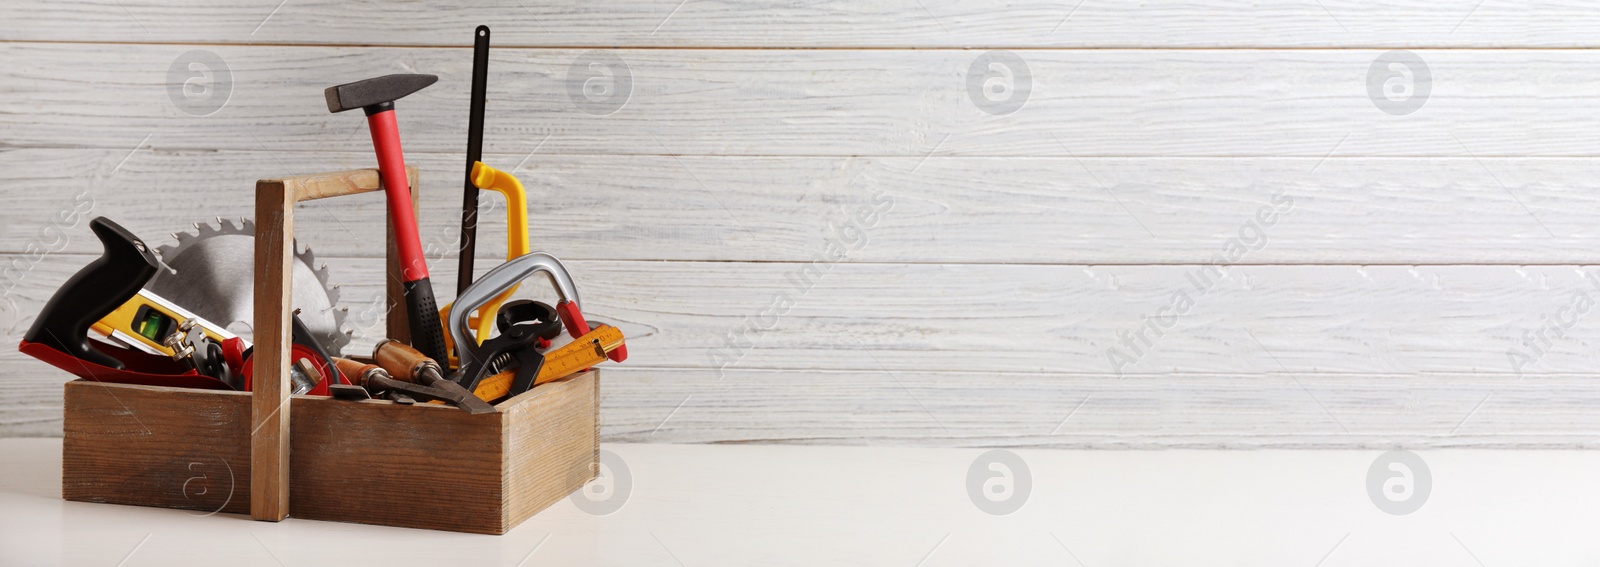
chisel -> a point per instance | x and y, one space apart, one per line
406 364
376 379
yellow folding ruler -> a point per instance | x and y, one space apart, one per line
584 352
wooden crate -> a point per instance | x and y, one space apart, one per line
373 462
266 453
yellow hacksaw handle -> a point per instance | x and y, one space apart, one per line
485 177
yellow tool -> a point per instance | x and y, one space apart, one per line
486 177
147 319
582 353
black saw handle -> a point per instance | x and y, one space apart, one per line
95 291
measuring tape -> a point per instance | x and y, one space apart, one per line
571 358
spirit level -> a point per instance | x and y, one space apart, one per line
144 322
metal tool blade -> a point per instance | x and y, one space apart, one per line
211 273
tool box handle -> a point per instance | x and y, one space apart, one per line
269 404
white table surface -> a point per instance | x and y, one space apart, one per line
698 505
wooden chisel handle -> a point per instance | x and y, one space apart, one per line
357 371
408 365
405 363
375 378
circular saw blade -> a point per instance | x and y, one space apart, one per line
212 274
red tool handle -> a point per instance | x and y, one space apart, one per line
397 189
577 326
421 310
137 367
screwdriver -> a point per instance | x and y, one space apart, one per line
571 358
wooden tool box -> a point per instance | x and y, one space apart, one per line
373 462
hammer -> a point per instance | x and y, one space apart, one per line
376 96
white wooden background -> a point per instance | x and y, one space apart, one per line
1419 249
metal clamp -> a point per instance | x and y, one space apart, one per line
492 284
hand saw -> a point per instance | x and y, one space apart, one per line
59 336
569 359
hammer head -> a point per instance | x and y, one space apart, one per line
375 91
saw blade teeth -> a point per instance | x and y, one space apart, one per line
161 261
336 338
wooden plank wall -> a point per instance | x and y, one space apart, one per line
1037 277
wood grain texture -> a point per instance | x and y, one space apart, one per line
947 210
275 241
150 446
1117 103
1299 409
374 462
550 445
1224 410
998 354
876 23
1258 319
270 388
1422 249
1048 319
310 187
422 466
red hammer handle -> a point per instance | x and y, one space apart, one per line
397 190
